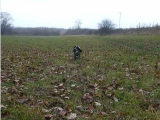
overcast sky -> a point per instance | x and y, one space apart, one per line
64 13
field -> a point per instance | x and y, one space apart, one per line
116 78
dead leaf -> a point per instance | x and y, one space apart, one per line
109 95
110 87
3 107
80 87
127 74
66 97
112 112
97 104
4 89
87 97
14 89
120 88
55 90
63 113
115 99
39 102
73 85
61 85
67 108
48 117
61 91
140 90
54 82
92 85
45 111
91 108
80 108
84 115
103 113
134 86
100 77
15 81
9 98
22 100
58 109
46 103
93 88
104 90
72 116
63 95
151 108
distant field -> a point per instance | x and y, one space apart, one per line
117 77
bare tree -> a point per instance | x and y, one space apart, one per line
106 26
78 24
6 22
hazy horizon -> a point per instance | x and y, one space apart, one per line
63 14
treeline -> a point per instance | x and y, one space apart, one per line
37 31
45 31
81 31
140 30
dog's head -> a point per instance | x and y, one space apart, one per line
77 49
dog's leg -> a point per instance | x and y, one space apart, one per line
75 57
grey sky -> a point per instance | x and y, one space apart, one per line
64 13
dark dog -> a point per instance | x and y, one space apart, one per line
77 51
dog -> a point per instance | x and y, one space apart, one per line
77 51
